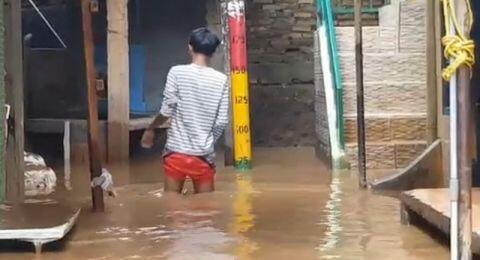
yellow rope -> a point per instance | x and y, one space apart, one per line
458 48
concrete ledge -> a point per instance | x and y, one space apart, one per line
423 172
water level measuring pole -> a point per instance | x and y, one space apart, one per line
240 87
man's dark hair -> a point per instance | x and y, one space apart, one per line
204 41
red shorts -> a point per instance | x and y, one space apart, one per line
180 166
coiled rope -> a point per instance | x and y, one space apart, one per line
458 48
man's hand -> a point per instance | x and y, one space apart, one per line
149 134
148 139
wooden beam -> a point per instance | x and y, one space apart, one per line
118 80
52 125
14 97
142 123
443 120
431 51
466 156
362 171
67 168
93 126
466 144
228 136
2 106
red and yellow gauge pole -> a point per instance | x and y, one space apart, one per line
239 77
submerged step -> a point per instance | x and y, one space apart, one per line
433 205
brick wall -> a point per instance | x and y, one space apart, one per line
395 85
323 149
346 19
280 41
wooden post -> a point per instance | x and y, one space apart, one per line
2 106
443 120
466 156
67 167
466 145
93 126
431 50
229 154
362 172
118 80
15 148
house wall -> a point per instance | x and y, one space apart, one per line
66 90
280 34
395 85
280 42
162 27
164 30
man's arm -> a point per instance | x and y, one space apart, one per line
166 112
157 121
221 121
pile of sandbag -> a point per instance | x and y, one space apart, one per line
39 178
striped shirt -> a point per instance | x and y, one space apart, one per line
196 98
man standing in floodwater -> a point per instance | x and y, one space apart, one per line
196 101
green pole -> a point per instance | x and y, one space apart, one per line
325 11
2 104
336 70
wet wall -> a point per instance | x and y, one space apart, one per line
280 43
163 27
55 82
280 53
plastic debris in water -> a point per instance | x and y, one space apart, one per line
105 181
40 182
32 159
39 178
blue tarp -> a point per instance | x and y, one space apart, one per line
138 105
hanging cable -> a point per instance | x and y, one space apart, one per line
49 25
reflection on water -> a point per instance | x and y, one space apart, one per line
194 235
332 215
288 207
244 219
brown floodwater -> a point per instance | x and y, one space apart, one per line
289 207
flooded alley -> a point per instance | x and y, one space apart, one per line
288 207
234 129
